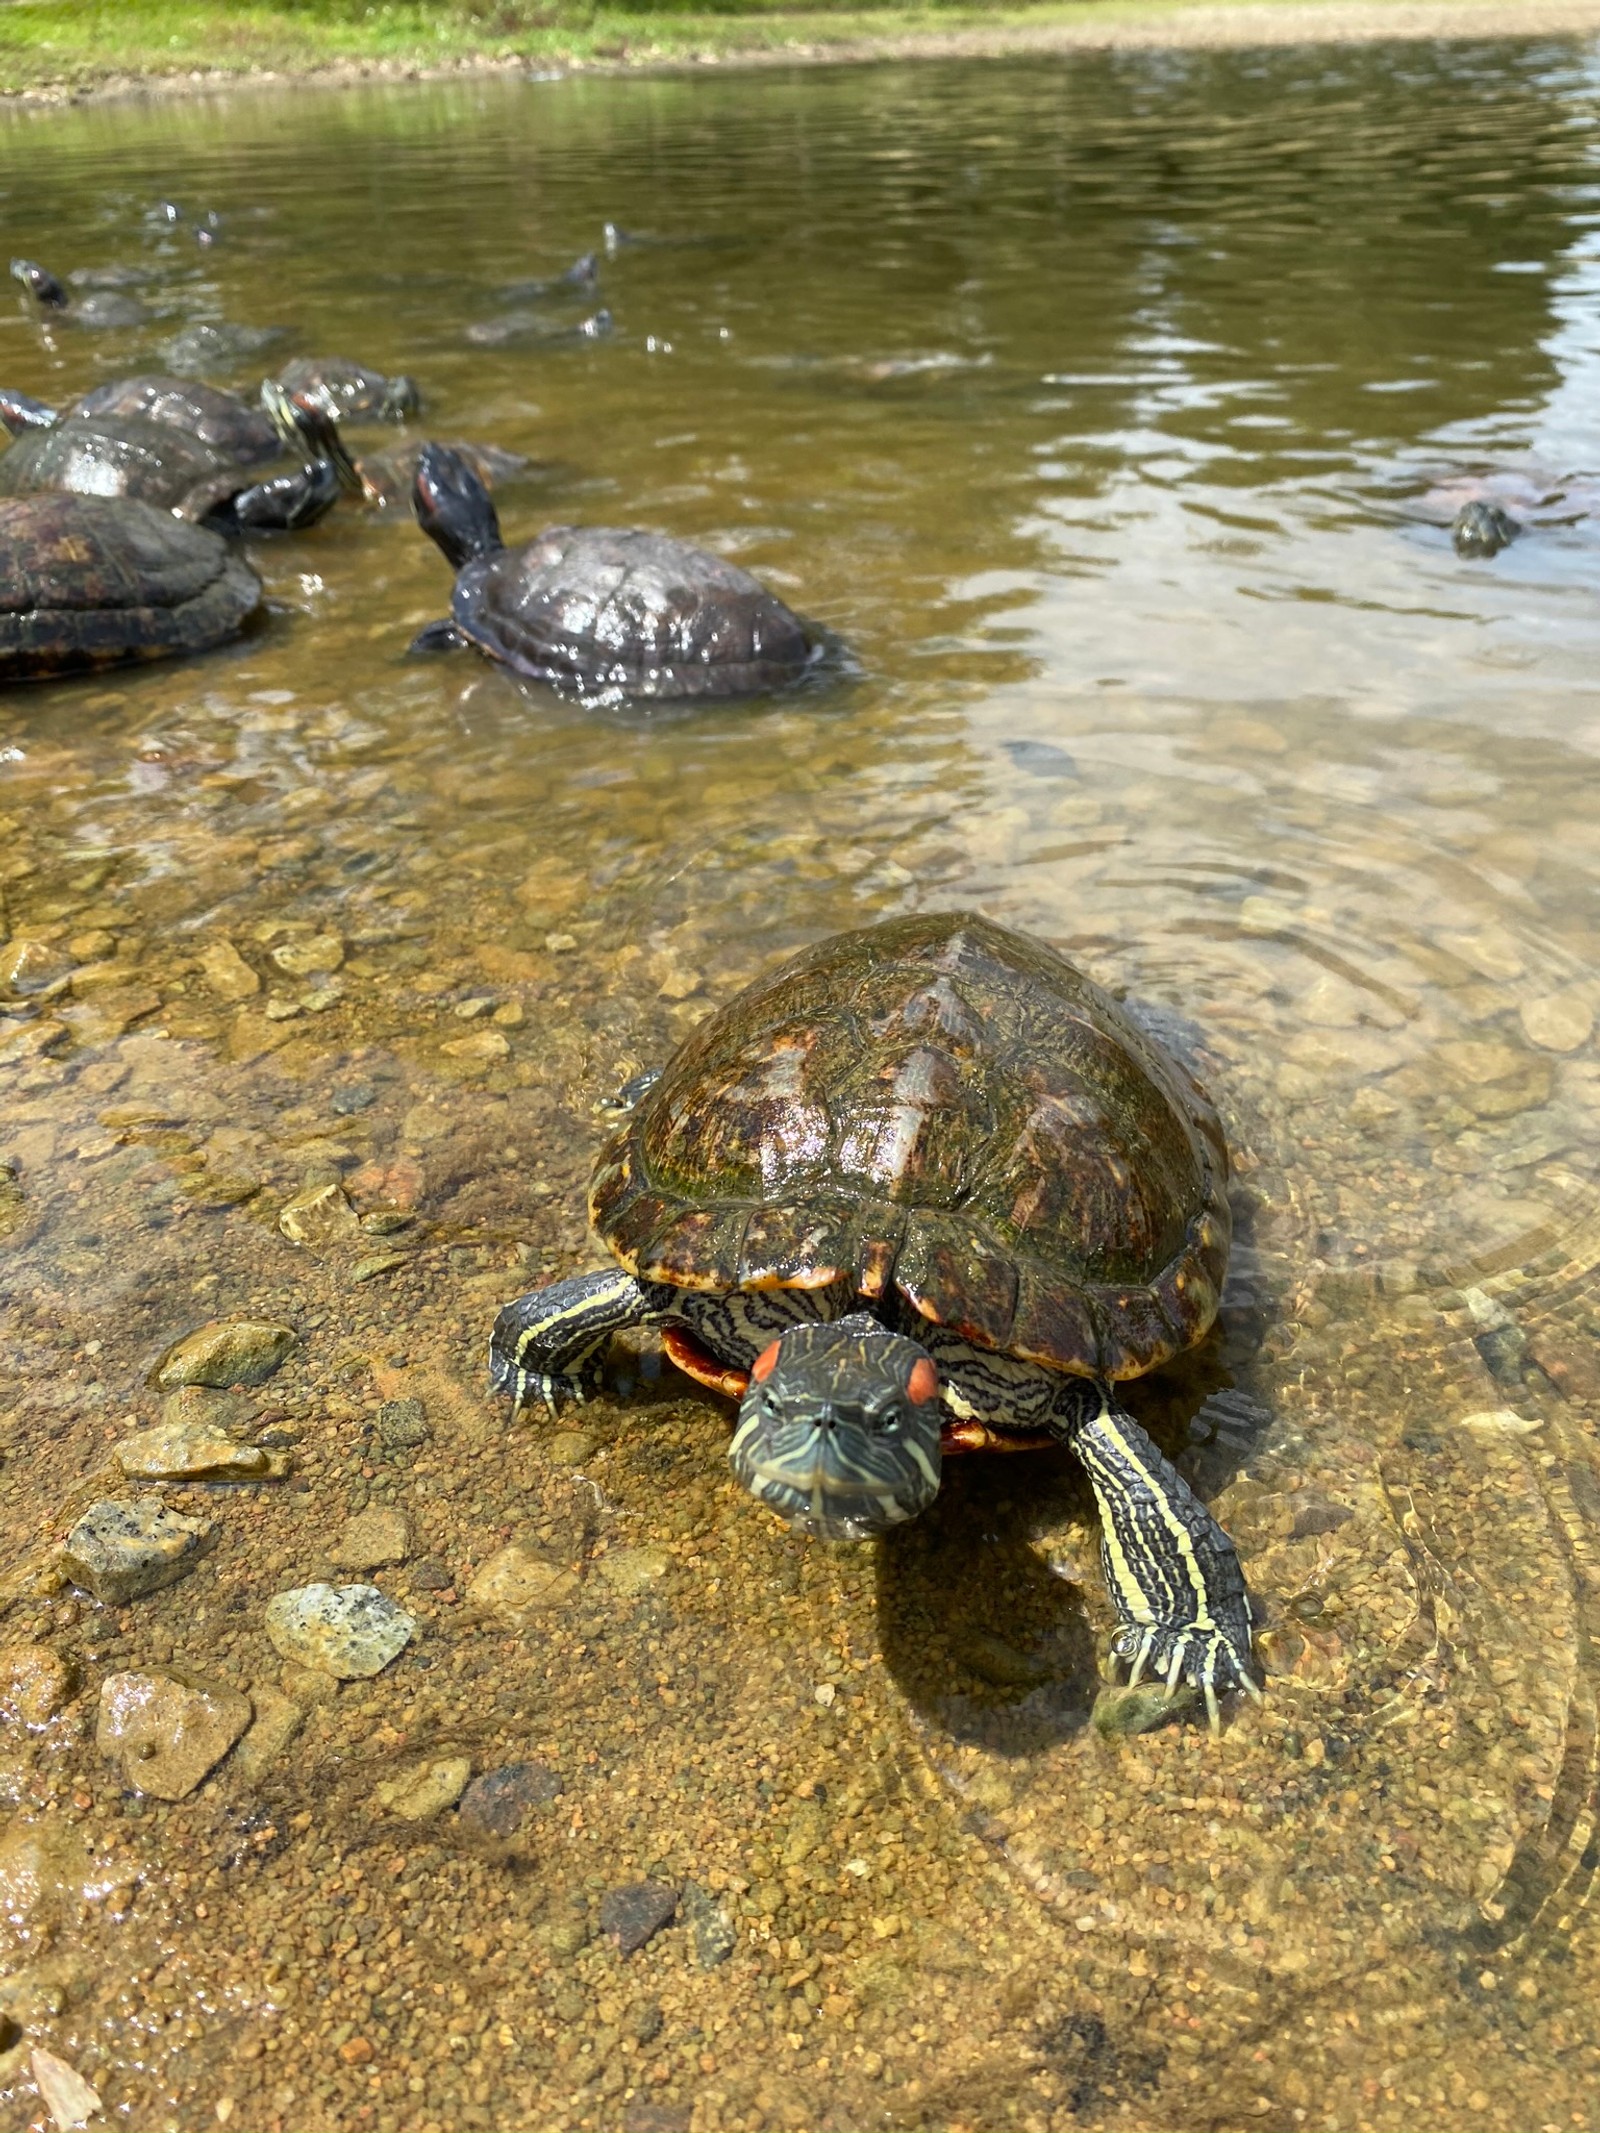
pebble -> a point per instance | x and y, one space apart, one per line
310 958
278 1719
426 1790
349 1631
122 1550
1501 1421
569 1447
636 1912
482 1048
377 1263
238 1351
67 2096
429 1576
35 1683
191 1451
1120 1711
501 1801
516 1583
29 967
203 1406
168 1730
373 1538
1560 1022
319 1214
631 1570
402 1425
227 973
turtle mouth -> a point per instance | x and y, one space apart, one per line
833 1480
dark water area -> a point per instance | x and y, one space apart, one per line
1112 413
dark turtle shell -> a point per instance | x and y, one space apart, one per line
349 390
600 609
105 455
941 1108
88 581
217 419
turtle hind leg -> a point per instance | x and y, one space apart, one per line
438 637
1173 1573
546 1347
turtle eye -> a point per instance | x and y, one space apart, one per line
923 1383
765 1363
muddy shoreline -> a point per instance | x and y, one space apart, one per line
1197 28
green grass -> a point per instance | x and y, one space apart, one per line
75 44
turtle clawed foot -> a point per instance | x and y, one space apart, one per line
1209 1659
553 1390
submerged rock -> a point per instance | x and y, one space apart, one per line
1120 1711
516 1583
372 1539
35 1683
168 1730
192 1451
426 1790
234 1351
501 1801
712 1933
67 2096
318 1215
349 1631
636 1913
121 1550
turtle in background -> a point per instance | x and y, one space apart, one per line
597 609
1482 529
387 477
924 1189
222 421
350 391
101 307
94 581
132 456
216 345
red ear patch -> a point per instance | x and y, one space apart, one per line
923 1383
765 1363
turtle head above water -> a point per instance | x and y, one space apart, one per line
839 1429
453 506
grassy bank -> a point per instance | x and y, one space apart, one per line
77 46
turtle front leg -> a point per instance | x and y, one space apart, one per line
287 503
1173 1573
547 1345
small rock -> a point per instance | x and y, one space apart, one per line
318 1215
1502 1422
357 2051
373 1538
227 1414
516 1584
377 1263
644 2021
1317 1514
29 967
227 973
561 943
808 1825
501 1801
636 1912
121 1550
188 1451
482 1048
418 1794
168 1730
568 1447
402 1425
1561 1022
1120 1711
310 958
236 1351
278 1719
349 1631
711 1929
35 1683
429 1576
67 2096
631 1570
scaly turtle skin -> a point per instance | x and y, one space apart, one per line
349 391
598 610
91 581
924 1189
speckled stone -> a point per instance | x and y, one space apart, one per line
122 1549
168 1730
349 1631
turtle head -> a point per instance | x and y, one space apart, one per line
40 284
839 1429
452 505
301 420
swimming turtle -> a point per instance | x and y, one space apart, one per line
220 420
1482 529
524 325
216 345
90 581
926 1188
130 455
599 609
99 308
349 390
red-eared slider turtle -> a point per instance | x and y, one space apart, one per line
216 345
925 1186
349 390
90 581
597 609
99 308
132 456
220 420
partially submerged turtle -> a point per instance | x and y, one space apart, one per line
216 345
924 1189
597 609
220 420
99 308
132 456
91 581
349 390
387 477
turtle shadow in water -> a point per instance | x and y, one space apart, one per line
991 1609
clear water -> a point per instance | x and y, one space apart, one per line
1112 412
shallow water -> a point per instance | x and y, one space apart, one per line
1111 412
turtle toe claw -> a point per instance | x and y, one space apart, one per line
1207 1658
